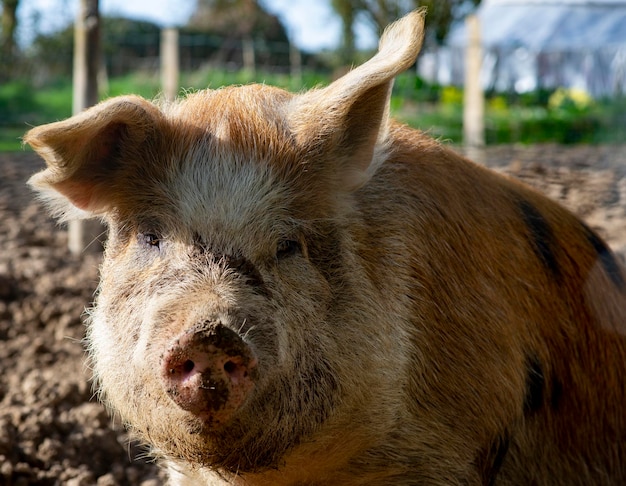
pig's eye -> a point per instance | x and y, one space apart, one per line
150 240
287 248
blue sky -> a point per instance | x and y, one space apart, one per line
310 24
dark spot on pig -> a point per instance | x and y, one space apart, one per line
535 382
607 259
542 238
557 393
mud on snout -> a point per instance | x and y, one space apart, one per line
209 371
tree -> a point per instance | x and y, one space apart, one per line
441 14
346 11
237 19
248 34
8 26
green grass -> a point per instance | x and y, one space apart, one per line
140 84
435 109
23 106
529 118
441 122
210 78
149 86
11 138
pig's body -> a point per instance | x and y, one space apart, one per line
298 291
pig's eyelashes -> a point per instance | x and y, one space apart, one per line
287 248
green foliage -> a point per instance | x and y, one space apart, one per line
23 106
451 95
539 124
139 83
15 98
51 54
530 118
440 16
564 116
411 87
237 19
123 40
20 103
11 138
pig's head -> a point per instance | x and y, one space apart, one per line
232 280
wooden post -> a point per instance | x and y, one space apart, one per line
474 98
86 55
85 94
170 64
249 58
295 66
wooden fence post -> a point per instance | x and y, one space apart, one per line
170 64
474 98
249 57
85 93
295 65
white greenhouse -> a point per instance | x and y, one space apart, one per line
531 45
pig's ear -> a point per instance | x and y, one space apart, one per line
85 154
348 120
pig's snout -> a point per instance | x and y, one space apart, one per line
209 371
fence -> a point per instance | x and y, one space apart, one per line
46 62
199 50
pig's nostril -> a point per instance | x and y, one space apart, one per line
230 367
188 366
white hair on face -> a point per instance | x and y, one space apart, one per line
217 189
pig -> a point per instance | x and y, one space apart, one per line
297 289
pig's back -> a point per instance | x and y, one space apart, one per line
517 312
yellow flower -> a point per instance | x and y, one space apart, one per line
576 97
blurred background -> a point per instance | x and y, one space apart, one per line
535 88
551 71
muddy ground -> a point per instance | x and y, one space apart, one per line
52 431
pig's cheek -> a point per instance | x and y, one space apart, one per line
119 331
300 312
144 331
124 370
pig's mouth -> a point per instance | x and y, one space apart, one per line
209 371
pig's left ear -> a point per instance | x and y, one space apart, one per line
347 122
87 154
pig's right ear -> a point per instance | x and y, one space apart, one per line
85 154
346 123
